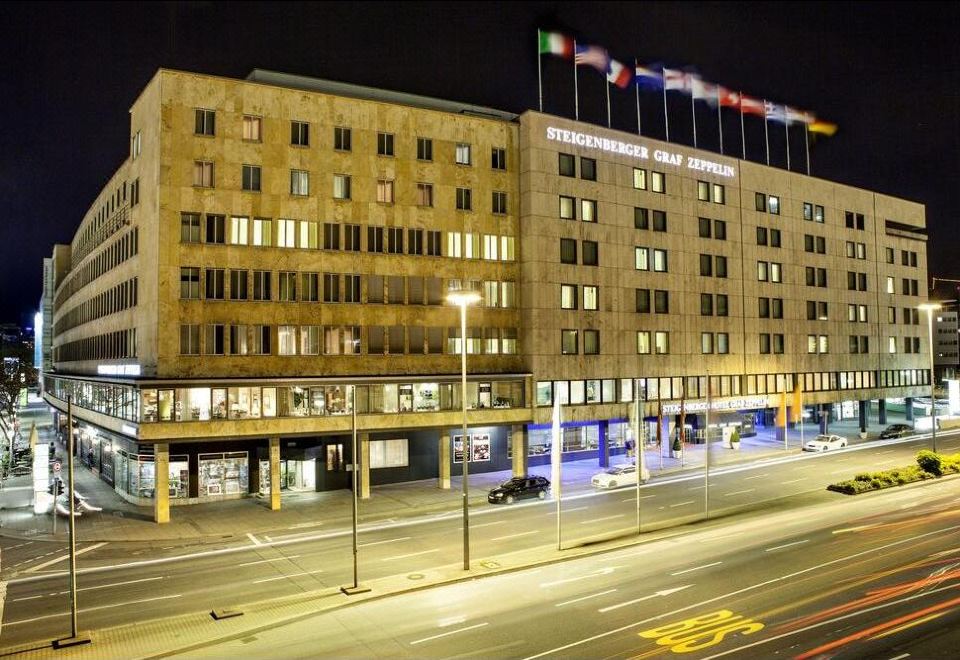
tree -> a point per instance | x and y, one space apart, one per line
16 374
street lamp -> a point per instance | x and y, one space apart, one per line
933 402
463 298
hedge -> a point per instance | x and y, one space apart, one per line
929 466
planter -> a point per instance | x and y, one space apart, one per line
676 453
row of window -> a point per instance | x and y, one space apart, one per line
567 167
107 220
115 299
907 257
116 253
108 346
239 339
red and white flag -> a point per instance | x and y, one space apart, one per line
619 75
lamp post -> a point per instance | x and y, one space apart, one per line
355 588
933 402
463 298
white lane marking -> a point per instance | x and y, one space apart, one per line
411 554
367 545
945 552
786 545
253 539
739 492
665 592
450 632
495 522
452 621
603 571
577 600
19 545
719 538
513 536
756 476
295 535
305 524
55 560
15 600
116 584
681 504
92 609
696 487
752 587
284 577
576 508
596 520
901 656
793 481
267 561
696 568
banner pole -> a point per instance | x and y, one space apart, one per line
576 91
607 85
786 131
666 119
766 130
539 71
719 120
743 133
806 142
636 89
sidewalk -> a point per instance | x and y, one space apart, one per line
215 522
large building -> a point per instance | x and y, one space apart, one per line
276 252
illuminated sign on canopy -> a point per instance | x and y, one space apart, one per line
749 403
638 151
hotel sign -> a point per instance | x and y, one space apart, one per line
747 403
638 151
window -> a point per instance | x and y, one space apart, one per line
214 284
463 154
433 244
720 230
385 191
261 285
643 342
823 344
454 245
331 287
395 240
658 182
662 342
490 247
588 210
660 261
661 302
202 174
309 235
205 122
300 133
588 169
807 211
761 201
568 251
351 288
567 165
763 271
310 287
331 236
499 202
718 193
375 239
590 253
639 178
821 245
189 227
568 296
761 235
706 265
773 203
591 342
851 281
568 342
189 340
591 297
384 144
641 218
818 214
807 243
507 251
238 285
890 287
764 343
238 340
848 219
706 342
703 191
250 178
721 266
722 308
763 308
568 208
341 186
287 340
136 144
776 272
464 202
860 221
288 286
299 182
216 232
704 228
189 283
775 238
286 233
424 194
659 221
415 241
238 230
213 340
341 138
251 128
641 257
643 301
424 149
309 340
706 304
498 158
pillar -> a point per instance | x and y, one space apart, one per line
824 418
161 490
518 443
882 410
443 454
364 476
780 421
864 408
603 451
274 474
908 408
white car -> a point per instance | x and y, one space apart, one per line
825 443
620 475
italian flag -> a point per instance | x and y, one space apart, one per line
554 43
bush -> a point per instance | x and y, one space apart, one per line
930 462
677 445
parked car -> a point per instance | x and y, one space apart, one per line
825 443
896 431
619 475
519 488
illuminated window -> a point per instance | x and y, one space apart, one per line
639 178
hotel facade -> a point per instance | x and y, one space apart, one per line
270 266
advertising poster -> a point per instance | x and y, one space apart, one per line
480 447
458 449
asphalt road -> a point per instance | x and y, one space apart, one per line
125 583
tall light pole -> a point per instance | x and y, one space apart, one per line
463 298
355 588
933 402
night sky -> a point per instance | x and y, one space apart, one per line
887 73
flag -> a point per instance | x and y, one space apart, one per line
751 106
673 79
775 112
822 127
799 116
728 98
702 90
648 78
594 56
554 43
618 74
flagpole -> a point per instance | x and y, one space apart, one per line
806 142
743 133
693 110
608 103
719 120
666 119
576 93
786 130
539 72
636 89
766 131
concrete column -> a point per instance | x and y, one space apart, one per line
274 474
603 451
882 410
864 408
443 454
161 489
824 418
364 476
518 441
908 408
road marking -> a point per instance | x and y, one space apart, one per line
367 545
513 536
602 571
577 600
495 522
266 561
19 545
756 476
451 632
696 487
665 592
253 539
945 552
92 609
116 584
681 504
787 545
697 568
793 481
719 538
901 656
284 577
634 499
596 520
305 524
34 569
739 492
412 554
15 600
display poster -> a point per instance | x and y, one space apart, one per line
480 447
458 449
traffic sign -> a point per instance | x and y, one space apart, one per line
56 466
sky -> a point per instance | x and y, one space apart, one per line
887 73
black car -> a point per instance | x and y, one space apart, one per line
896 431
519 488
